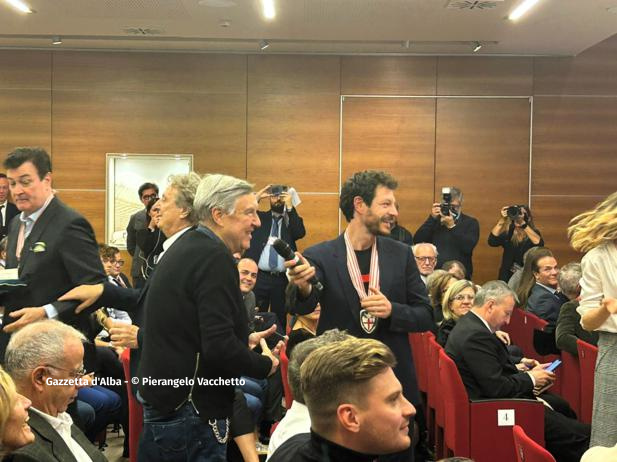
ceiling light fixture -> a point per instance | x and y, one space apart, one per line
263 45
522 9
20 6
56 40
406 44
268 9
476 46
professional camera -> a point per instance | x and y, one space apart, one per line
446 200
514 212
278 189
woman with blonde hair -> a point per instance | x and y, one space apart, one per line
595 233
436 284
14 429
456 302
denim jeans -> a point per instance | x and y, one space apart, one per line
181 437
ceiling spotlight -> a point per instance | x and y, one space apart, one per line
20 6
263 45
406 44
56 40
268 9
476 46
521 9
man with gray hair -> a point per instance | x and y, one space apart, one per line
488 373
45 359
454 233
297 419
425 254
569 322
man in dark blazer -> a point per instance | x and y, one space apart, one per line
488 373
138 221
52 245
395 301
545 299
7 209
281 221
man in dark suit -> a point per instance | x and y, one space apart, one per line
138 221
454 233
488 373
545 299
371 284
282 221
45 359
7 209
52 246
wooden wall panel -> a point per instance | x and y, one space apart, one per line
293 122
376 75
25 70
320 214
482 147
552 216
590 73
574 146
484 76
396 135
91 204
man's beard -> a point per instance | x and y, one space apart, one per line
373 225
278 208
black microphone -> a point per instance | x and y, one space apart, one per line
285 251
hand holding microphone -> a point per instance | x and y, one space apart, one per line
300 273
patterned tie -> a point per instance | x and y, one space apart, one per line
273 258
120 282
21 238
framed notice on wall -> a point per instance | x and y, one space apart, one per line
125 173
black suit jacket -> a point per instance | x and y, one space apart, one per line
545 304
484 363
10 212
340 305
59 254
48 445
290 232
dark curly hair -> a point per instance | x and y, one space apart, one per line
364 185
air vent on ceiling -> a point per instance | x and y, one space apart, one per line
472 4
142 31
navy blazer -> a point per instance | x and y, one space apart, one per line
545 304
290 232
340 305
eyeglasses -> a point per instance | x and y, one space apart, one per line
461 297
73 373
426 259
117 262
148 197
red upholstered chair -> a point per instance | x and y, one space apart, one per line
570 374
527 450
418 351
587 355
517 330
471 427
136 414
284 367
434 398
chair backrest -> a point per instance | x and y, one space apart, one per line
587 356
456 407
419 353
516 327
571 381
527 450
136 421
284 368
435 390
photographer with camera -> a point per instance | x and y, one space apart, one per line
454 234
516 233
281 221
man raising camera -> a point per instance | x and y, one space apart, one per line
454 234
282 221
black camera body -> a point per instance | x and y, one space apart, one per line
514 212
446 201
278 189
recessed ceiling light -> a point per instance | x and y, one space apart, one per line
217 3
612 9
476 46
20 6
225 23
56 41
263 45
520 10
268 9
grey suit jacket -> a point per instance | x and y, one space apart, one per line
49 446
136 222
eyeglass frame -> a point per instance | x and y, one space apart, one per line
75 374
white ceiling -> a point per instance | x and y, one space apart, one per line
553 27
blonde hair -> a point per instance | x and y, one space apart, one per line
339 373
436 284
594 227
7 401
452 292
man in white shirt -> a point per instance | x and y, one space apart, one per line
45 359
425 255
7 209
297 419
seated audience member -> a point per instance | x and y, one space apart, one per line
436 285
600 454
247 269
14 429
355 403
304 327
455 268
37 356
3 252
150 239
400 233
426 258
297 419
569 322
539 289
515 281
112 262
456 303
516 234
488 373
